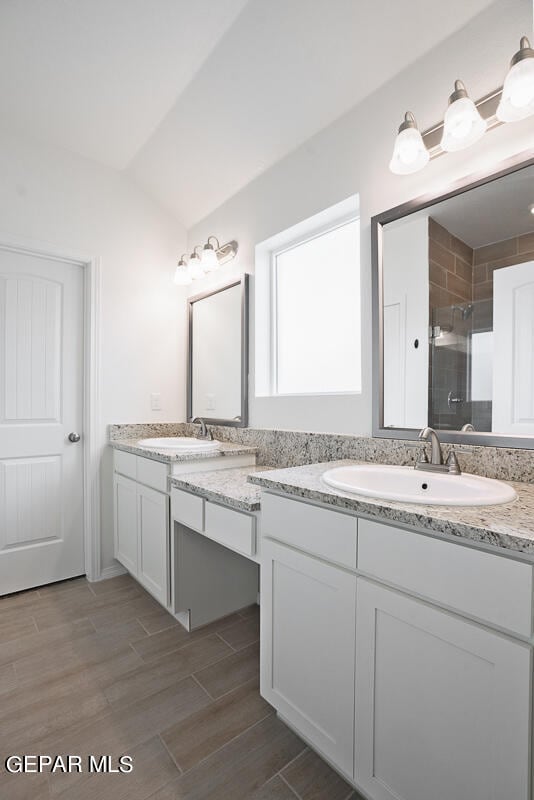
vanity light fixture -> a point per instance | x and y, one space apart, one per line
409 153
466 121
209 260
517 99
463 125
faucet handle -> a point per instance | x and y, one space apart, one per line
452 463
423 458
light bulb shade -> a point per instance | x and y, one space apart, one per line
409 153
462 126
210 262
182 276
195 267
517 99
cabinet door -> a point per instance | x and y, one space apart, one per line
442 705
154 540
307 652
125 491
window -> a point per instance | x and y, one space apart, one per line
315 313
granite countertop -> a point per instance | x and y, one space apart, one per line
509 526
228 486
172 456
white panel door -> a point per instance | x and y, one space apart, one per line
307 648
513 347
406 321
41 403
442 705
153 542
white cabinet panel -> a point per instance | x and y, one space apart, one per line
494 589
126 522
188 509
231 528
442 705
125 463
307 648
324 533
153 532
152 473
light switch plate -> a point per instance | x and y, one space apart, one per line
155 401
210 402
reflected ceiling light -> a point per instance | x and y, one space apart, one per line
196 269
517 100
463 125
409 153
182 276
210 261
531 208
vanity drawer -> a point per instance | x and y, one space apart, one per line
152 473
125 463
486 586
231 528
318 531
188 509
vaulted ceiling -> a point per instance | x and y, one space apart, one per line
193 99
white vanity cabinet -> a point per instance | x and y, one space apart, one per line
409 668
142 523
442 705
308 641
142 517
214 559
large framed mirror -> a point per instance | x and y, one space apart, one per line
217 379
453 312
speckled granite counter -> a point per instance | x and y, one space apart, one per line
172 456
228 486
509 526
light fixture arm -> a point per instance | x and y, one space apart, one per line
218 244
525 51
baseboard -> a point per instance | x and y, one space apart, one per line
110 572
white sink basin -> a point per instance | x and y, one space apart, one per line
408 485
184 444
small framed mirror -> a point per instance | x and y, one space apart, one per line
453 307
217 379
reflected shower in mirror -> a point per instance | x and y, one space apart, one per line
218 355
457 310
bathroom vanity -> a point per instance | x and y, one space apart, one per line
143 523
402 655
396 639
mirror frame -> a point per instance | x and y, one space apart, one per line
242 422
507 167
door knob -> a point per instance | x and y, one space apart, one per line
74 437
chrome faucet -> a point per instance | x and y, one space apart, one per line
436 456
203 433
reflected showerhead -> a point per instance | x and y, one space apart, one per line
465 311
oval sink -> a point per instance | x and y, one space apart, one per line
408 485
185 444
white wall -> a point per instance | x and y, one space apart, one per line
72 204
351 156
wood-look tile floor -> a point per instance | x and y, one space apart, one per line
102 669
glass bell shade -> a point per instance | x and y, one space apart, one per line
463 125
409 153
